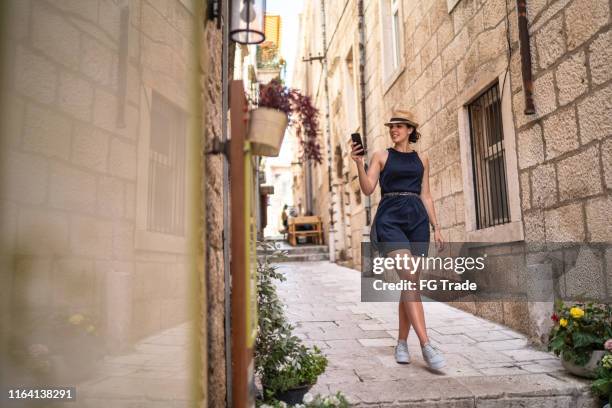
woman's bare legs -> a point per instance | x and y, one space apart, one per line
404 322
416 315
411 304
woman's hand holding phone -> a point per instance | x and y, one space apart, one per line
357 152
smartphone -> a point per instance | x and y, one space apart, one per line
356 137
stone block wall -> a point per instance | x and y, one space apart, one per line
74 193
214 273
562 148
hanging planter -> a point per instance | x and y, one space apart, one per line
267 128
266 131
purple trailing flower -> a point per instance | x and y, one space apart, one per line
302 115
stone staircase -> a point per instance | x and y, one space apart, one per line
299 253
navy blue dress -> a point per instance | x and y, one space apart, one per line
401 221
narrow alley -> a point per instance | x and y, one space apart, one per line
489 365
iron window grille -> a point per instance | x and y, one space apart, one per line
166 187
488 159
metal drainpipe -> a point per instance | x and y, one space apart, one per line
226 215
521 8
306 165
362 99
332 246
308 187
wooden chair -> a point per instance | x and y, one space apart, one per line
316 231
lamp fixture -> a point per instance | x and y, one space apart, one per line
214 11
247 21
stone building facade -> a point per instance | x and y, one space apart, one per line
437 58
109 208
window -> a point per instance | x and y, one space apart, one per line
492 205
392 44
488 163
395 28
163 180
166 187
339 164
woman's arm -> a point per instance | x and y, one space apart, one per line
367 179
428 201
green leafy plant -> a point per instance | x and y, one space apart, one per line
272 324
292 365
282 361
579 330
602 385
338 400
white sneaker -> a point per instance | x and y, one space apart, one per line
402 356
433 357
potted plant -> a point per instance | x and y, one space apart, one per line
291 370
77 345
286 367
578 336
56 347
278 107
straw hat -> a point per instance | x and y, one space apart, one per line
402 116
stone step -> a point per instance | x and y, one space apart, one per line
276 238
305 257
307 249
303 249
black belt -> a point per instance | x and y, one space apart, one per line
400 193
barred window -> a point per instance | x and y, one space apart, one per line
488 159
166 187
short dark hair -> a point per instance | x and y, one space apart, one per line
414 136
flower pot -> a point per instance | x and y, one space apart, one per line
589 369
294 395
266 131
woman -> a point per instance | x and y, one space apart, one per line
402 220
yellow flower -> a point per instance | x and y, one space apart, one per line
563 322
606 361
90 328
76 318
576 312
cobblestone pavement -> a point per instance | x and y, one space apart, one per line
156 373
488 365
